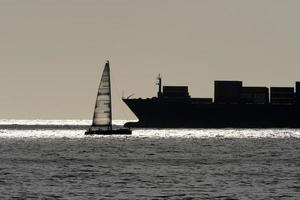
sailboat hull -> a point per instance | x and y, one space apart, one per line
109 132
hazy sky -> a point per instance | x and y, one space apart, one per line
53 52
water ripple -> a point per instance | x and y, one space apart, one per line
151 164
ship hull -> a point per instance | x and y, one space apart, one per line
156 113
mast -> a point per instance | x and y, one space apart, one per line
159 86
110 105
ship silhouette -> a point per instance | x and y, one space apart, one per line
233 106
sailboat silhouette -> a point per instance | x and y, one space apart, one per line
102 118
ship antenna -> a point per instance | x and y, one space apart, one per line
159 94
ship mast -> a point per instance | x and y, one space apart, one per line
159 94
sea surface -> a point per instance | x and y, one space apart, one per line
52 159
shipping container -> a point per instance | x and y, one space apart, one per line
298 92
202 101
227 92
282 95
254 95
175 92
181 89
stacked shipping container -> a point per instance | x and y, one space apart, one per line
232 92
298 92
227 92
282 95
175 92
254 95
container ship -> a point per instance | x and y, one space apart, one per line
233 106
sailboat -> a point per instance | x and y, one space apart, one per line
102 119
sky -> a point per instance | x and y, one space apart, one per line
52 53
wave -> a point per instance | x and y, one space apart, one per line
12 124
42 127
76 129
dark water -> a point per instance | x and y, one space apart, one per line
141 167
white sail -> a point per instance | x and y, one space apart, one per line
102 114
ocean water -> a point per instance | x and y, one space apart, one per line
52 159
